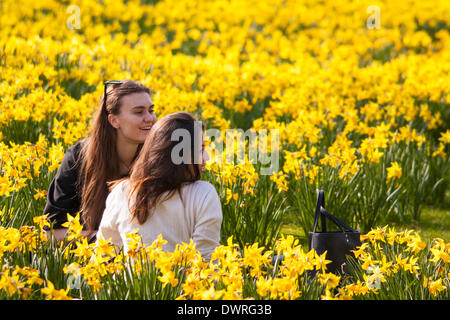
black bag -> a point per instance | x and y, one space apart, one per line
338 244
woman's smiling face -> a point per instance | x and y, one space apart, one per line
135 119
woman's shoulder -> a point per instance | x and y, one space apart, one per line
201 187
201 184
118 194
203 200
74 150
71 161
120 187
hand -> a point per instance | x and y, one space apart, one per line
60 234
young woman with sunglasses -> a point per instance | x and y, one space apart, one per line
164 194
120 126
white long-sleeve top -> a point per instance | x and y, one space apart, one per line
199 219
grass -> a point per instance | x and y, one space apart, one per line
433 223
290 227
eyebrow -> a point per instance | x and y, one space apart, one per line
138 107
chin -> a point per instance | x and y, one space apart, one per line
137 140
142 138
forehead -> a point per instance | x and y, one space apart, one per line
136 99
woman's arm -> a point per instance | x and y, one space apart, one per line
62 194
60 234
206 234
109 227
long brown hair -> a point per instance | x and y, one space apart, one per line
99 158
154 175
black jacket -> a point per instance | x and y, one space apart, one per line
63 196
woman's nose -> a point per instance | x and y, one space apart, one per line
150 117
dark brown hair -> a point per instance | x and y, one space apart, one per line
99 158
154 175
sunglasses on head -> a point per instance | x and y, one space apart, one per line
106 85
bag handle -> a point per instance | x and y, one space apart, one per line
320 210
320 203
338 222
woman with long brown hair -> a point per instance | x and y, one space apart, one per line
164 194
119 128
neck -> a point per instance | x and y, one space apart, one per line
126 152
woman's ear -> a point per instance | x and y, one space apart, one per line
112 119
